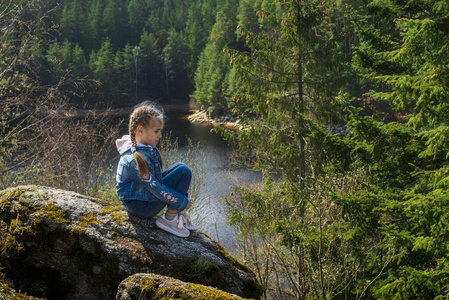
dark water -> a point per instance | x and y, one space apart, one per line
218 176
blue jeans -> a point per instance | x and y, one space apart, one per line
177 177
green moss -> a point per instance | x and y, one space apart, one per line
252 289
148 288
6 292
54 213
46 212
86 255
7 198
13 194
170 289
109 209
206 293
89 218
117 217
200 271
11 245
116 211
231 259
227 256
14 223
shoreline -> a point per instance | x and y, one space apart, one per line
193 115
201 117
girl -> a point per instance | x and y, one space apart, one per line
141 185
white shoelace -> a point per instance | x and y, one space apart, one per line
180 222
186 218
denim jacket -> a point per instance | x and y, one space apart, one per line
131 186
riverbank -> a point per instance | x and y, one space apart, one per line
194 116
203 117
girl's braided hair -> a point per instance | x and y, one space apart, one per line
146 115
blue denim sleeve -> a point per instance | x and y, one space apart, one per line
160 191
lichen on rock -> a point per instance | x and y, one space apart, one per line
153 286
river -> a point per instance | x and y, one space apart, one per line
217 175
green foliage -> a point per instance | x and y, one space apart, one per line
287 83
416 225
356 215
391 150
411 63
211 77
400 56
84 27
308 245
377 231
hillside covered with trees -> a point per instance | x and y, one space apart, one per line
361 213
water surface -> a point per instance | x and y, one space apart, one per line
218 175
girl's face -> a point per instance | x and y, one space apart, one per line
149 135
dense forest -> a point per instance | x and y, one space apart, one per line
136 49
362 213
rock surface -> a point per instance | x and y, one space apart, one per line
57 244
153 286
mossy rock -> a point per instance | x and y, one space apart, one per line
57 244
8 293
158 287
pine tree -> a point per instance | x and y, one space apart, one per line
403 56
74 22
115 22
68 22
150 65
53 61
213 66
177 50
94 19
101 67
288 83
127 71
78 62
137 12
247 17
196 35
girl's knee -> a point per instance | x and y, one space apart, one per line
181 167
186 170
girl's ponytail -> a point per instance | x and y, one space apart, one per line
141 163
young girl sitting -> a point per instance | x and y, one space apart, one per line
142 186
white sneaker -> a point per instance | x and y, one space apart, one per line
175 226
187 221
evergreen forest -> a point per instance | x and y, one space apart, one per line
344 106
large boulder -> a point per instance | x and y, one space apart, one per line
146 286
58 244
